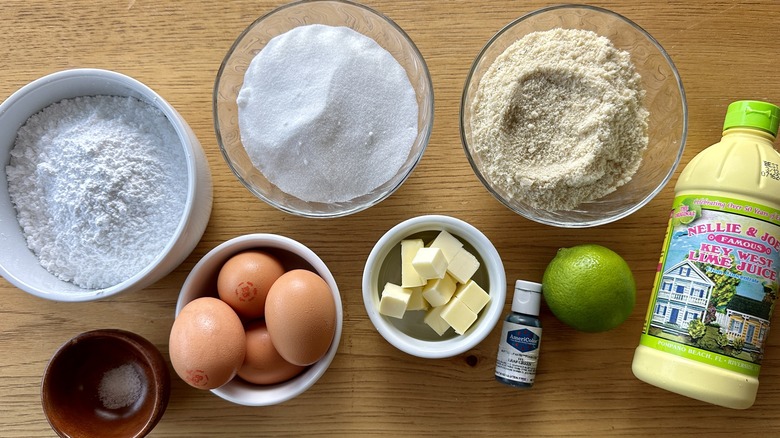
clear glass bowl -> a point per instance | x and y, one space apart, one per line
665 101
334 13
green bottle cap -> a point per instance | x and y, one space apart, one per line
752 114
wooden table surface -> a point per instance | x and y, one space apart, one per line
724 50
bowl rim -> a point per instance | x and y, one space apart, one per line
186 143
595 222
160 386
493 264
247 394
425 131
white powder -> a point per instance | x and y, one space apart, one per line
120 387
99 185
326 114
558 119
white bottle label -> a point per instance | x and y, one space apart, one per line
518 352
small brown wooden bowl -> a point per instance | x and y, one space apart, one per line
71 386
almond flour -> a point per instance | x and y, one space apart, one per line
558 119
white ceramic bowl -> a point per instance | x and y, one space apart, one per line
410 334
230 79
202 282
17 263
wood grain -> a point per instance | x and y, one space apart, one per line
724 51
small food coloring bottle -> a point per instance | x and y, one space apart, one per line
521 337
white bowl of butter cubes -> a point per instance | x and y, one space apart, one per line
434 286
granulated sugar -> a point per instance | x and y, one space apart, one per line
558 119
120 387
326 114
99 185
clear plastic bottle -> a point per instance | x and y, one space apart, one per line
521 337
717 280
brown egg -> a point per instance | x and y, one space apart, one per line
301 316
244 281
263 365
207 343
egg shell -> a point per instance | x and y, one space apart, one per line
300 314
264 365
244 280
207 343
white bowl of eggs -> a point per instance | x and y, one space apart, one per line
258 321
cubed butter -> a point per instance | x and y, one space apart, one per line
430 263
434 321
394 300
458 315
448 244
416 300
462 266
409 275
473 296
437 292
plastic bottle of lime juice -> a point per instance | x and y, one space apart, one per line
717 281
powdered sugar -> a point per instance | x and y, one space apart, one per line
558 119
99 186
326 113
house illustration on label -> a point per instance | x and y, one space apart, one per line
684 296
746 318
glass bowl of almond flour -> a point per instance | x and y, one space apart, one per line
323 108
573 116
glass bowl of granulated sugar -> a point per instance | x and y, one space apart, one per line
573 116
323 108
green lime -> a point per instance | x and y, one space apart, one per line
685 220
589 287
693 211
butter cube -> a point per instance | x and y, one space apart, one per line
473 296
458 315
394 301
462 266
448 244
409 276
430 263
434 321
416 301
437 292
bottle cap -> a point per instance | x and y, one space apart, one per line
527 298
752 114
